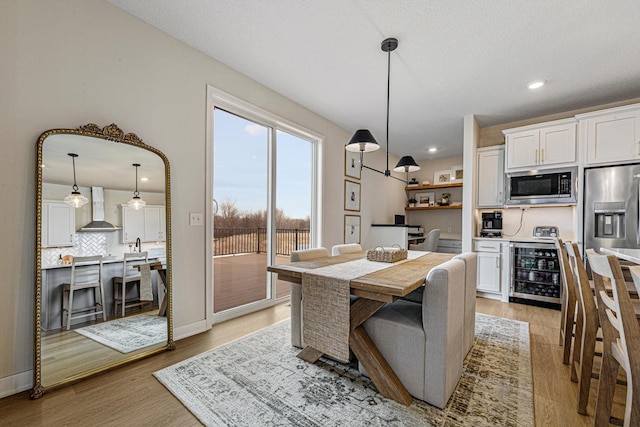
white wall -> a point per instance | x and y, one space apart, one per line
65 64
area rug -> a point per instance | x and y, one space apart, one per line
129 333
259 380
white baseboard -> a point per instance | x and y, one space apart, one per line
189 330
16 383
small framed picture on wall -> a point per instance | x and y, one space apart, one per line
351 196
442 177
456 173
352 164
352 228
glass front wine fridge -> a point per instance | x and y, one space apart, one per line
535 274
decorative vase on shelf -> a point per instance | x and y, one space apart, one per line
445 199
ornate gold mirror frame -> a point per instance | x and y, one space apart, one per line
110 134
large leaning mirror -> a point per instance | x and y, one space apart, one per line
103 253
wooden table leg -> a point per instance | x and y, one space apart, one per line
162 311
368 354
310 354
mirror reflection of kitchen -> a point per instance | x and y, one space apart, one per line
123 215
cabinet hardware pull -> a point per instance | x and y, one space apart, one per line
542 156
536 156
497 263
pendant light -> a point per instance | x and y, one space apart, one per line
75 199
363 141
136 202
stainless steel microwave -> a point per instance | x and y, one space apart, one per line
551 186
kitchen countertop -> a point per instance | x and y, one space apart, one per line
450 236
632 255
517 239
106 260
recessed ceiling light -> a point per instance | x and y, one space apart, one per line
536 84
144 178
42 165
433 149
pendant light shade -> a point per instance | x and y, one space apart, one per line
406 164
75 199
363 141
136 202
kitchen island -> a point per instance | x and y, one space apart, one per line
55 275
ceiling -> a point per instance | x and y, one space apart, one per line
101 163
454 58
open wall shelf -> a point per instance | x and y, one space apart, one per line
428 208
433 186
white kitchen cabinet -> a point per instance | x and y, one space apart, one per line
58 224
611 135
541 145
132 224
154 223
148 224
490 177
489 266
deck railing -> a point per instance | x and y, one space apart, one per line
229 241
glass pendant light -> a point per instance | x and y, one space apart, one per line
75 199
136 202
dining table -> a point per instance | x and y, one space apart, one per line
373 289
162 274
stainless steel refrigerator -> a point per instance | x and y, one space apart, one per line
611 207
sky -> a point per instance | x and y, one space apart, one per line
240 166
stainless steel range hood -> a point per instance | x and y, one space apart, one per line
97 213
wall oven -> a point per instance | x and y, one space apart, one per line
552 186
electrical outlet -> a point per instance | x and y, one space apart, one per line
195 218
448 229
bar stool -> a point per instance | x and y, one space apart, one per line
86 274
621 338
130 275
568 314
586 330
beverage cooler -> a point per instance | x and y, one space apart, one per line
535 274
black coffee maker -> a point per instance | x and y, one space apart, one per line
491 224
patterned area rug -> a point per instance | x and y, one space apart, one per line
259 380
129 333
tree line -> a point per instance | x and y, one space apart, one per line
229 216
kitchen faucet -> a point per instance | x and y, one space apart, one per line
138 245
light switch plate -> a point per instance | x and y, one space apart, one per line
195 218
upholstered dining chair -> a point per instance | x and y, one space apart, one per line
430 243
586 328
130 275
296 293
347 248
621 339
568 312
86 274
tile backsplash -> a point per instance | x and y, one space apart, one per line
93 243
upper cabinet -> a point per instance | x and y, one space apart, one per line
541 145
146 224
58 224
154 221
611 135
490 177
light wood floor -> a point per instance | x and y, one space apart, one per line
132 396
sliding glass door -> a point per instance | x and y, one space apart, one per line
263 204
